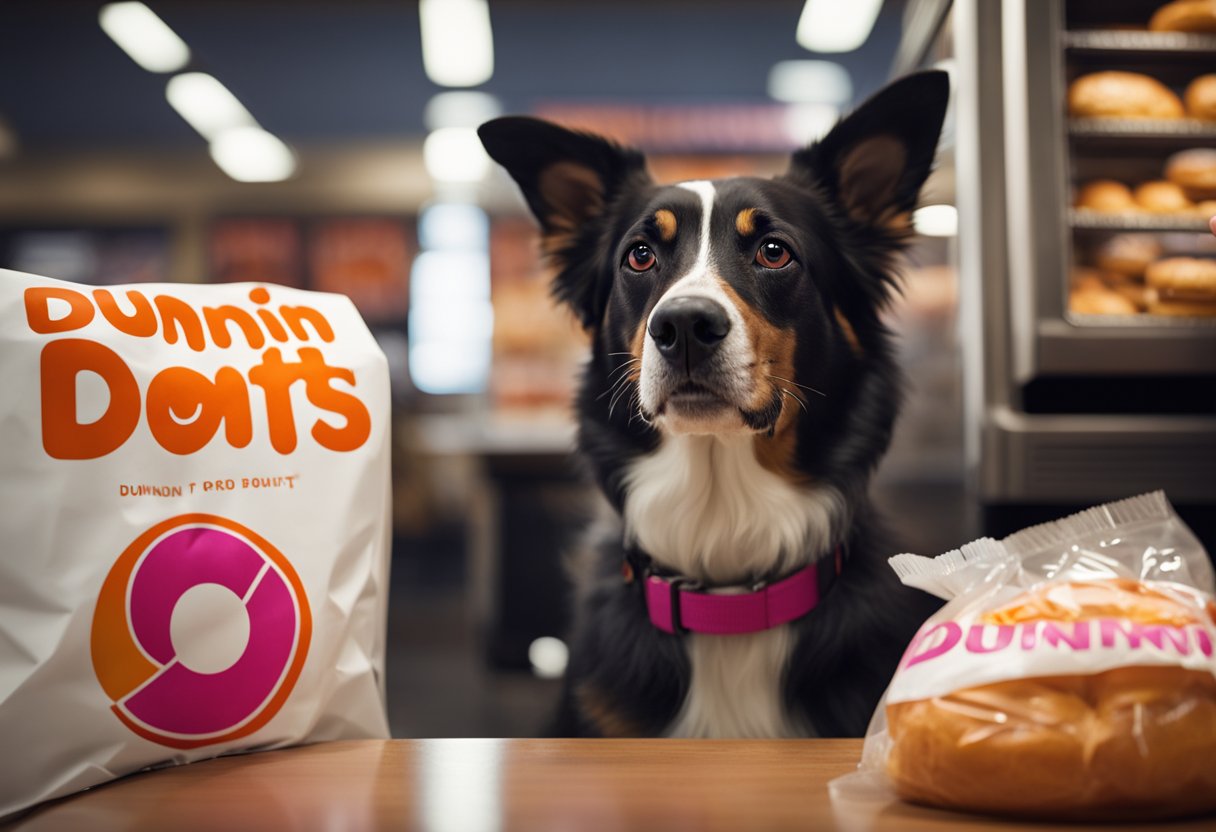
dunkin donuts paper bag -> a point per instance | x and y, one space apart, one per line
193 527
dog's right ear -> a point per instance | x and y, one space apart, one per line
568 179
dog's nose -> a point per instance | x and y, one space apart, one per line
687 330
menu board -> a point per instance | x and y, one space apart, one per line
99 256
367 259
255 249
537 344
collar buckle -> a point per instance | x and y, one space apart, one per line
676 586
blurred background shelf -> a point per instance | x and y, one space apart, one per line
1094 221
1181 132
1107 42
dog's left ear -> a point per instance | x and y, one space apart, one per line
874 162
568 179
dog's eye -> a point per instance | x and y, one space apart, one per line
773 255
640 257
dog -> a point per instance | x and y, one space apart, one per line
740 392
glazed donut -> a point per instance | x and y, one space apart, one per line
1122 95
1185 16
1129 742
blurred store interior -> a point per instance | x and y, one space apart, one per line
330 146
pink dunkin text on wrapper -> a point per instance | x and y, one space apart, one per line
951 655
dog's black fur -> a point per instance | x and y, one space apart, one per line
843 208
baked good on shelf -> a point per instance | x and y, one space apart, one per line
1182 286
1161 197
1131 741
1106 196
1114 94
1200 97
1127 254
1092 283
1100 301
1194 171
1185 16
1084 277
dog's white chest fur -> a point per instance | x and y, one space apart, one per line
705 507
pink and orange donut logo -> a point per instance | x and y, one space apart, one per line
156 689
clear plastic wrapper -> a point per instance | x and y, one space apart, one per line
1070 675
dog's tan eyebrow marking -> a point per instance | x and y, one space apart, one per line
666 221
745 222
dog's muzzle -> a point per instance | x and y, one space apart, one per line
688 331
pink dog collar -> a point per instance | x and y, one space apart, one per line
678 605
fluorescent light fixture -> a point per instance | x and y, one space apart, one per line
936 221
450 278
451 322
460 108
457 46
807 122
144 36
455 155
453 226
250 154
836 25
446 369
206 104
810 82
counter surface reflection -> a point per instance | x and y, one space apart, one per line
472 785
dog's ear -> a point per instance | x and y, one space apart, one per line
873 163
569 180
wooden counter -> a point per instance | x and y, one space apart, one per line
533 785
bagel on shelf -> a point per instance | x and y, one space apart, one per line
1185 16
1113 94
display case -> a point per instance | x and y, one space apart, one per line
1072 403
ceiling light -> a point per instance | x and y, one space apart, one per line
457 46
836 25
460 108
936 220
451 322
453 226
144 36
250 154
206 104
810 82
455 154
805 123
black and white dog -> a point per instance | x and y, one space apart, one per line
740 392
